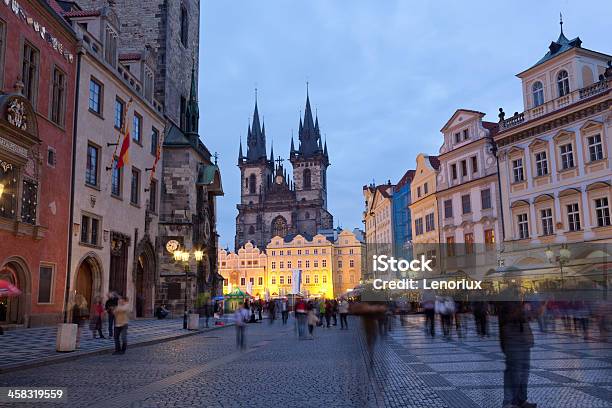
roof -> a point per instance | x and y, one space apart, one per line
406 178
492 127
559 47
434 161
290 237
448 122
382 189
82 13
129 56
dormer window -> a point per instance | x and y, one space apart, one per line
466 134
537 90
457 137
563 83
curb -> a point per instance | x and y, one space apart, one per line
63 357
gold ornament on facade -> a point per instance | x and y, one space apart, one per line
17 115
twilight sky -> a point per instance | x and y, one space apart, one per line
384 76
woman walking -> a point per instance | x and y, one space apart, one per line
96 321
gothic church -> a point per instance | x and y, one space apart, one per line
274 202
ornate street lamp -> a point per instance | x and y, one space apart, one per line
562 259
183 256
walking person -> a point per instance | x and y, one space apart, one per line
335 311
80 314
300 314
428 305
96 321
272 311
111 303
241 317
121 312
321 309
284 310
312 321
343 308
328 313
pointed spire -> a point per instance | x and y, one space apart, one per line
240 155
192 113
272 152
325 148
292 150
561 22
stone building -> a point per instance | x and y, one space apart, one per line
246 269
114 223
171 29
555 161
378 220
467 195
274 203
348 262
37 94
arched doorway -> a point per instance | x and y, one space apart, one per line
15 310
87 281
144 279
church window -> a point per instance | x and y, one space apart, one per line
184 27
279 226
252 184
307 180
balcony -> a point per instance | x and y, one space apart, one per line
555 104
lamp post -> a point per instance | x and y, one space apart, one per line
562 259
184 257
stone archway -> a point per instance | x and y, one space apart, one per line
145 278
16 310
87 280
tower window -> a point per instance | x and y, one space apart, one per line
184 26
307 179
538 94
563 83
251 184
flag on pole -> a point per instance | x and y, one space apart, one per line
123 157
157 157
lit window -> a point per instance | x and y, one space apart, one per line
489 237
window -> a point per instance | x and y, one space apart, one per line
299 263
457 137
184 27
418 226
489 235
425 188
595 147
110 46
29 72
562 83
45 284
281 279
419 191
573 217
288 264
466 134
252 184
466 204
315 251
282 265
431 254
288 252
541 164
537 91
260 280
252 280
28 201
273 265
95 96
429 222
567 156
8 181
58 97
51 156
299 252
116 179
324 278
316 279
90 230
450 246
288 279
547 221
137 128
523 226
243 281
474 164
469 243
351 251
307 263
307 279
282 252
307 179
517 170
485 198
448 208
351 263
183 115
315 263
153 196
307 252
454 171
602 210
91 167
135 190
339 263
464 171
119 113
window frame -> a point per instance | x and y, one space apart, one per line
602 212
52 267
523 225
541 163
596 148
31 86
537 95
57 109
100 102
448 208
563 88
122 114
573 217
518 169
567 156
98 150
547 221
488 200
135 189
464 202
137 133
119 178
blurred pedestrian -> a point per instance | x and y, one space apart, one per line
301 314
121 312
429 310
96 321
272 311
241 317
328 312
312 321
343 308
284 306
80 314
111 302
335 311
479 308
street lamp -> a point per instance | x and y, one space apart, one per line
562 259
183 256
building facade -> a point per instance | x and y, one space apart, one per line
272 203
402 222
378 221
246 270
467 195
555 157
38 63
114 223
172 34
348 262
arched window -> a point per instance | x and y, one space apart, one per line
279 227
538 94
563 83
252 184
251 230
184 27
307 179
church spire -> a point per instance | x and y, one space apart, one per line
256 141
272 153
192 113
310 143
240 155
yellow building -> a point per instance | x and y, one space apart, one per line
245 269
347 267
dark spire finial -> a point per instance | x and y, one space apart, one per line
561 22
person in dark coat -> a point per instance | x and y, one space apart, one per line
111 303
516 340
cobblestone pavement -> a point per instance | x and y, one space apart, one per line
567 371
409 370
28 346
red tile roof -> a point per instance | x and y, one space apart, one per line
130 56
434 161
82 13
406 178
492 127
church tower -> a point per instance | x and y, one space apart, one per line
310 161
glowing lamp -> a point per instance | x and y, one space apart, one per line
198 255
177 255
1 189
185 256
